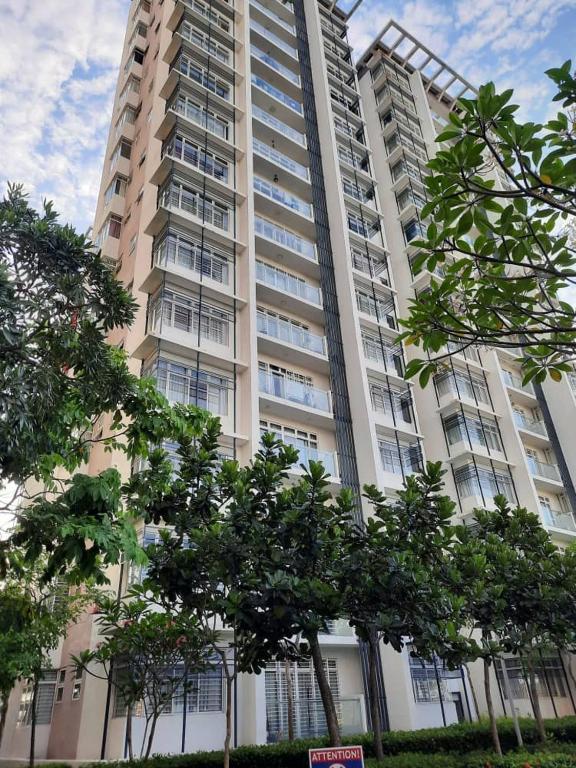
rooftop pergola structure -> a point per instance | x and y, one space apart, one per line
440 79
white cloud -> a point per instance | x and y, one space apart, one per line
58 67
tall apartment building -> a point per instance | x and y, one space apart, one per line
259 197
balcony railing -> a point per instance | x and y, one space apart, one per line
204 322
200 116
558 519
276 157
340 627
275 64
284 330
204 41
284 237
306 454
213 16
516 382
277 41
191 201
461 386
294 391
277 94
274 16
198 157
174 250
309 718
541 469
533 425
278 125
283 281
278 195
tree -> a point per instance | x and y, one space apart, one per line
59 379
392 576
33 617
505 248
211 553
510 576
147 655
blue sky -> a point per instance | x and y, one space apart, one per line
59 61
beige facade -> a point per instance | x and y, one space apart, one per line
258 198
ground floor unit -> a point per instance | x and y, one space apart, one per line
80 718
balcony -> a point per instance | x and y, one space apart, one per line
531 425
270 37
294 392
309 719
276 18
282 197
306 454
275 284
197 157
542 471
277 125
279 159
555 518
203 41
274 64
400 460
284 330
386 356
207 12
277 94
282 244
516 383
187 260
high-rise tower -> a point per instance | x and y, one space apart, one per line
259 197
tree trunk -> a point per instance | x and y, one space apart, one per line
374 697
535 700
325 691
3 714
151 736
473 691
228 737
508 691
33 723
129 733
490 707
289 698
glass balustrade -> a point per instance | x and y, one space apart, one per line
276 157
281 196
275 64
294 391
533 425
272 15
277 94
287 283
284 330
278 125
308 454
542 469
558 519
284 237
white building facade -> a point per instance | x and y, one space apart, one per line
259 197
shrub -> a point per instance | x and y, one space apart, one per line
454 741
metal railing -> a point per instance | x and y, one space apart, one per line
309 718
516 382
176 251
294 391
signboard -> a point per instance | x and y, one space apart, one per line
336 757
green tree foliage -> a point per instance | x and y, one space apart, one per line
514 583
506 249
393 577
147 655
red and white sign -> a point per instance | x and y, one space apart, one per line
336 757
